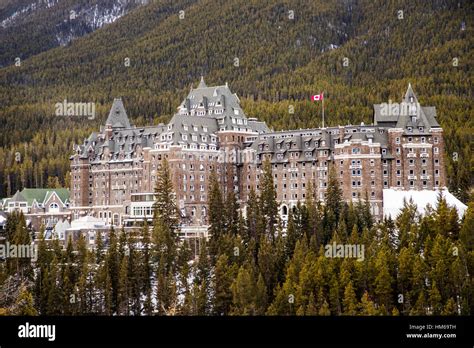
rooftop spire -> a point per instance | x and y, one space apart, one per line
202 84
410 95
118 116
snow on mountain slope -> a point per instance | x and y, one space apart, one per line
28 27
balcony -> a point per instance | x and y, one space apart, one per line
424 177
411 177
411 155
424 155
355 166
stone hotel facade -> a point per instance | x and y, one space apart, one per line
114 171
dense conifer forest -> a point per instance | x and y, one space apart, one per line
273 54
413 265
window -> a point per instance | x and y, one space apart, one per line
436 150
397 140
54 207
412 183
355 150
435 140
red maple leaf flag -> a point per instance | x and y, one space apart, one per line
317 97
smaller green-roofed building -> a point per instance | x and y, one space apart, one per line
40 206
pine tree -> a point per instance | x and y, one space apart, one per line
202 280
253 217
435 300
333 205
146 272
24 304
349 302
268 201
450 307
184 272
383 280
123 288
224 275
367 306
260 296
216 226
243 293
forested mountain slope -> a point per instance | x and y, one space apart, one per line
273 54
28 27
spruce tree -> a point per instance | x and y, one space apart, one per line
24 304
349 302
216 223
224 276
268 203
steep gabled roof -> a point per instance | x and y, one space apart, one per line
118 116
41 195
18 197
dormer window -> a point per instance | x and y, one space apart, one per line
185 127
413 119
421 129
306 144
410 129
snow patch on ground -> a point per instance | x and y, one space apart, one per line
26 9
393 200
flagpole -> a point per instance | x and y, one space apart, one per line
323 107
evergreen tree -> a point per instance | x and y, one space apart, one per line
24 303
216 225
268 203
349 302
224 275
333 205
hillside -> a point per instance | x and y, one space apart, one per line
28 27
282 60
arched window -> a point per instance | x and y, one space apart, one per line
284 210
54 207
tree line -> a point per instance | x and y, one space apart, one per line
251 265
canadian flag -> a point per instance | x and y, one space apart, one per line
317 97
